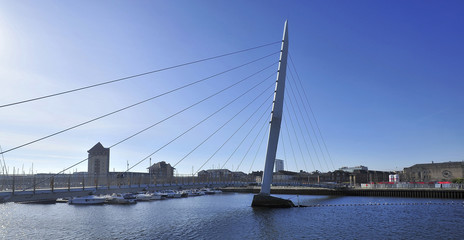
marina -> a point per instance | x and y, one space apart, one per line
212 216
126 198
226 120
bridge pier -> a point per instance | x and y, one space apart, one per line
260 200
263 199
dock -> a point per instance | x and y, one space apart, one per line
406 193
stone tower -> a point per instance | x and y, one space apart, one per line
99 160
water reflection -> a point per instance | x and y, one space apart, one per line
265 221
230 216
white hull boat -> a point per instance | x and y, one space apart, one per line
156 196
173 194
194 193
87 200
143 197
119 199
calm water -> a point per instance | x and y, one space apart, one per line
229 216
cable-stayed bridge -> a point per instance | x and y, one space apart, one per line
205 117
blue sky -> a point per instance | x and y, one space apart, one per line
384 79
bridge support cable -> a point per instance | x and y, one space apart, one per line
252 144
285 152
243 124
300 129
293 101
136 75
290 142
151 126
222 126
309 105
306 127
197 103
159 149
257 151
54 175
298 141
246 136
141 102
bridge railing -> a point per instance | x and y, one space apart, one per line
52 182
74 182
412 186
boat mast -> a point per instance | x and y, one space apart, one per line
276 116
4 167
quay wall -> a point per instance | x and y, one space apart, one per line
285 190
408 193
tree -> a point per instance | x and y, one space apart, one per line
458 180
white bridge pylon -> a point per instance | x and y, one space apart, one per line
276 116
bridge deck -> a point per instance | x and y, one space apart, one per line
48 194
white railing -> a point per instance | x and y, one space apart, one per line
411 186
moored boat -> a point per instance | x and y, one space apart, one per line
207 191
194 192
117 198
156 196
62 200
143 197
87 200
173 194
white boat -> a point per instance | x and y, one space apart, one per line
118 198
87 200
156 196
129 196
207 191
143 197
194 193
62 200
173 194
163 194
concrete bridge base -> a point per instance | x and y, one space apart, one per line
271 202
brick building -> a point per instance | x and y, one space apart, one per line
433 172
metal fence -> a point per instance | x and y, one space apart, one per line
411 186
82 181
76 181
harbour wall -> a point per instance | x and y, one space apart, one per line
407 193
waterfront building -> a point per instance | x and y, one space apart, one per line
239 175
284 176
98 160
279 165
352 169
256 176
161 170
337 176
357 176
214 173
434 172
